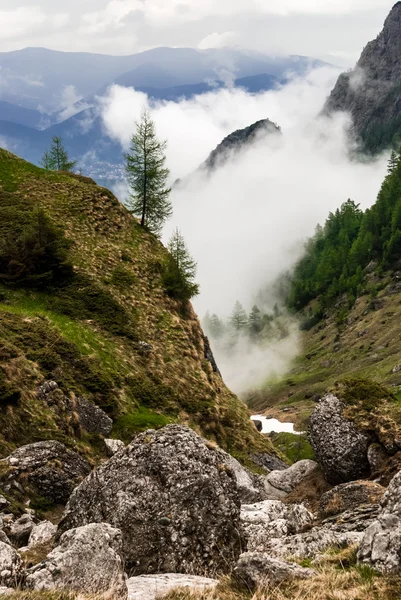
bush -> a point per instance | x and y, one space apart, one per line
176 284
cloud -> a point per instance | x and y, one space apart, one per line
24 19
217 40
247 222
70 103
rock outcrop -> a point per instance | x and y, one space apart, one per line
340 448
113 446
255 569
348 496
150 587
381 543
288 479
87 559
11 568
173 498
49 468
371 92
42 533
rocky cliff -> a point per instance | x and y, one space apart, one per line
371 92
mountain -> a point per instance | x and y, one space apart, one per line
23 116
371 92
39 78
238 141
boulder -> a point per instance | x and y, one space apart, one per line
381 543
255 568
340 448
150 587
113 446
20 530
173 498
88 559
272 519
348 496
288 479
250 486
11 569
378 459
269 462
92 418
42 533
49 468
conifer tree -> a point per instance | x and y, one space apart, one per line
56 159
147 176
238 319
216 327
180 274
255 322
392 163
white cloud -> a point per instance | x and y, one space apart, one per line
20 20
112 15
217 40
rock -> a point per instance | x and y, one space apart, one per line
269 462
377 458
20 531
273 493
92 418
250 487
87 559
288 479
271 519
356 520
41 534
348 496
46 388
396 369
258 425
113 446
49 468
381 543
150 587
173 498
209 356
5 591
4 503
11 569
255 568
340 448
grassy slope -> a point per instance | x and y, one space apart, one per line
366 344
88 335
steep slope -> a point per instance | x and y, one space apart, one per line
109 333
371 93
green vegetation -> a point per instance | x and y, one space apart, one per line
147 176
180 272
56 159
294 447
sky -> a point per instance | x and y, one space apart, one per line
333 30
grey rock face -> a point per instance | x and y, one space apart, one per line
150 587
256 568
370 93
273 519
269 462
113 446
340 448
11 569
88 559
42 533
381 543
92 418
348 496
21 530
174 500
250 486
377 458
288 479
50 468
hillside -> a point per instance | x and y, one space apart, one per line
108 332
371 92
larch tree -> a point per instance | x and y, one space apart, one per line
179 277
238 319
147 175
57 159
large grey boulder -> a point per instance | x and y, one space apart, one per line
42 533
11 568
381 544
88 559
51 469
92 417
173 498
150 587
288 479
340 448
272 519
254 569
20 530
250 487
349 496
113 446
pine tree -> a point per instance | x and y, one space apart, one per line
216 327
392 163
238 320
255 322
147 176
56 159
179 277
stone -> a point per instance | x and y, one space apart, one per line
49 468
88 559
340 448
273 493
255 569
174 499
113 446
380 546
20 530
258 424
42 533
348 496
269 462
5 591
150 587
4 503
272 519
288 479
250 487
378 458
11 568
92 418
46 388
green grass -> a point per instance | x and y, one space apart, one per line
294 447
141 420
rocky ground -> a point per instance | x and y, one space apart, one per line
172 515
